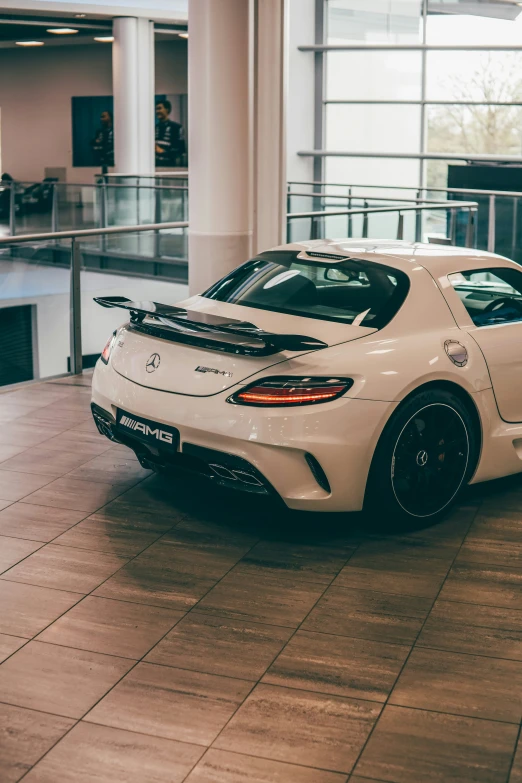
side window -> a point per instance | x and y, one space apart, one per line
491 296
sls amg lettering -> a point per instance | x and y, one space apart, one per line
200 368
137 426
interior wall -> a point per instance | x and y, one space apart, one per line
36 87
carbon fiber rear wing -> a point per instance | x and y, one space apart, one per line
205 330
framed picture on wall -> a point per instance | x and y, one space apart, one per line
93 131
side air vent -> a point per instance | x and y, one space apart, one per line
318 473
331 256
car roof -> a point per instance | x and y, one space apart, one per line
439 260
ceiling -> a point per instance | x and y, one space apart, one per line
27 27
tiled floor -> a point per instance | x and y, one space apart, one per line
156 631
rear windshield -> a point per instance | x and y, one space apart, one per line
350 292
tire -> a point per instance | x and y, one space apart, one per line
426 455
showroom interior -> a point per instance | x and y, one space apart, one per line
192 587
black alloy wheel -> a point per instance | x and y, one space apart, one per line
426 454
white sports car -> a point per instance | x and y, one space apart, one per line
338 374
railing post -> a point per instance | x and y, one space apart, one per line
313 229
12 208
453 225
365 222
75 316
157 219
103 212
54 209
418 220
400 227
350 226
491 224
470 227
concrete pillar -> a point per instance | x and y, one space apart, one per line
269 149
219 145
133 89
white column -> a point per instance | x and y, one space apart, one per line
219 139
133 88
270 72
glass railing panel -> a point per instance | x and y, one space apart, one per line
75 207
145 278
160 253
34 311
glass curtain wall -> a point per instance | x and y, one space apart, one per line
415 77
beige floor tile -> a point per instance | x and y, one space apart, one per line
105 536
7 451
12 550
9 645
111 627
65 568
25 610
90 444
113 469
25 736
479 583
221 766
44 461
74 494
310 729
471 628
38 523
275 600
216 645
59 680
99 753
367 614
358 668
400 574
25 435
171 703
15 486
317 564
160 584
516 772
459 684
409 746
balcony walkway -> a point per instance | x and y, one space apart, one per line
157 631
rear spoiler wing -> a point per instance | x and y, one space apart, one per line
203 329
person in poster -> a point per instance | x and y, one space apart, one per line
103 142
170 141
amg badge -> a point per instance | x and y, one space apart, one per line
138 426
213 369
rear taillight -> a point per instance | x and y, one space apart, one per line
106 353
286 391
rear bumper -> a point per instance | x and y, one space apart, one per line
275 443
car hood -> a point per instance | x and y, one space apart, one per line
201 372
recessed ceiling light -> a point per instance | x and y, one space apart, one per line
29 43
183 35
104 38
80 16
62 30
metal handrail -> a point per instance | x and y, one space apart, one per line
369 210
410 156
75 321
90 232
369 198
475 191
16 182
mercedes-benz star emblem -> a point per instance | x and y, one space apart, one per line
153 362
422 458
